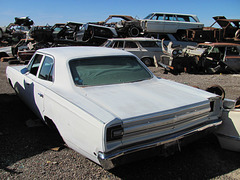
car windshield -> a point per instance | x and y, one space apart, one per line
107 70
148 16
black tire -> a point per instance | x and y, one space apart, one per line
14 62
147 61
133 31
237 34
182 34
216 89
237 105
3 54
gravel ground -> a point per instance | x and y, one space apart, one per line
27 146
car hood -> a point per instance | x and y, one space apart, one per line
124 101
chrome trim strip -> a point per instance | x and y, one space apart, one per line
167 123
105 159
168 113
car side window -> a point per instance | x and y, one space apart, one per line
155 17
46 71
118 44
191 19
183 18
130 44
170 17
148 44
34 65
232 51
160 17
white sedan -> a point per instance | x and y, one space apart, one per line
159 22
108 106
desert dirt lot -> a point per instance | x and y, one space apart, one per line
26 145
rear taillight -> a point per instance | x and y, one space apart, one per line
114 133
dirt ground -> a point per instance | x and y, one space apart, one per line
26 145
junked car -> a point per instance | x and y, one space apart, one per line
204 58
159 22
229 31
108 106
5 51
17 30
95 34
144 48
176 40
124 25
222 57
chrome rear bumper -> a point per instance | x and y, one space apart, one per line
159 145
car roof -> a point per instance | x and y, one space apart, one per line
173 13
219 44
134 39
74 52
126 17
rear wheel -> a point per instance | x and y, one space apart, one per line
14 62
133 31
147 61
216 89
237 34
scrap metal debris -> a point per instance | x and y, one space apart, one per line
205 58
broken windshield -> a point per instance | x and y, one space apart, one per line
107 70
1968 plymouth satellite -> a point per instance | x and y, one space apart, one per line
109 107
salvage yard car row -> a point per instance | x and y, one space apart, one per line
104 101
172 27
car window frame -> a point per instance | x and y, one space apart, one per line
125 42
30 66
52 68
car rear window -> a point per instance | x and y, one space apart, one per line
107 70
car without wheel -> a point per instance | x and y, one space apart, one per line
108 106
222 57
126 26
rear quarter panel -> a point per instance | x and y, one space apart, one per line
80 131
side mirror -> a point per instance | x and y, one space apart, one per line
24 70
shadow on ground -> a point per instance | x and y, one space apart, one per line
18 140
203 159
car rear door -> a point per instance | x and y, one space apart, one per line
187 22
232 58
132 46
170 24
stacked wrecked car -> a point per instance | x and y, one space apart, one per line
184 31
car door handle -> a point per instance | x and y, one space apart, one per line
41 95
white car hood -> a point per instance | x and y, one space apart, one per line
129 100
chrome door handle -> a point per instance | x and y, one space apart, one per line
41 95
